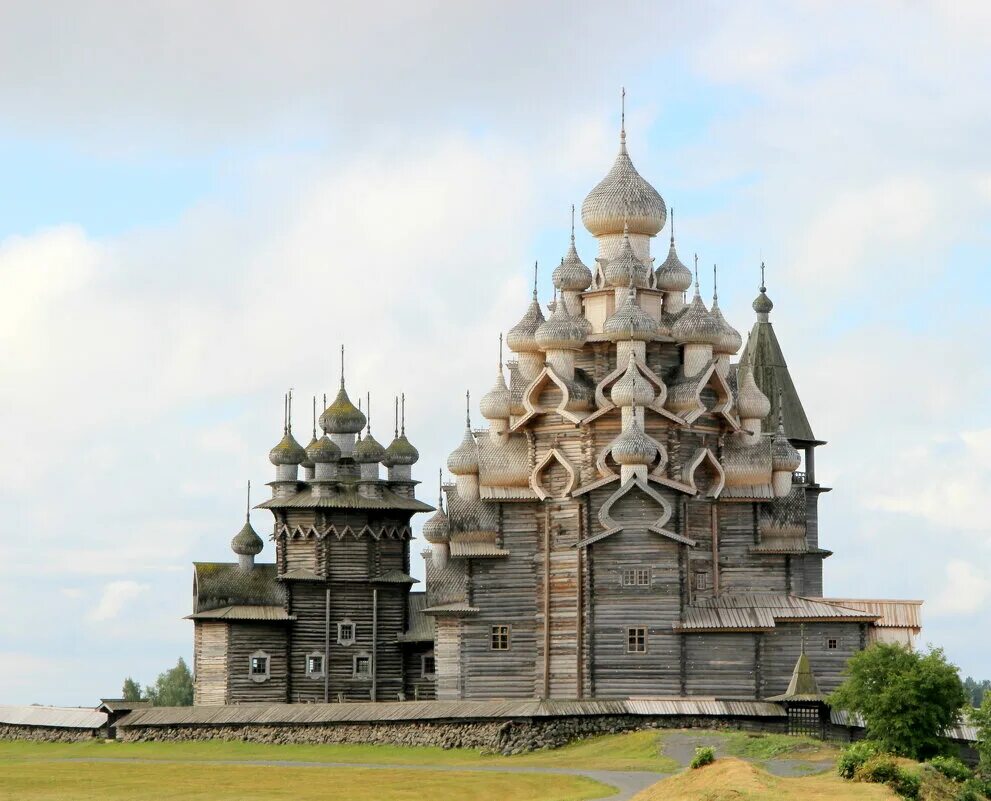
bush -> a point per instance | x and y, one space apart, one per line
882 769
854 756
952 768
704 755
974 790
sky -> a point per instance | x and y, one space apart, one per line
201 202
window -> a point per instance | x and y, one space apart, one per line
427 666
636 640
701 580
314 665
362 667
345 632
259 665
832 644
636 577
500 638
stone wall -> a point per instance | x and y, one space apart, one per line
10 731
498 736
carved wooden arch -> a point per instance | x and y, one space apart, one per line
605 404
532 409
704 455
612 526
536 483
656 467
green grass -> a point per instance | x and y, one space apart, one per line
37 780
775 746
632 751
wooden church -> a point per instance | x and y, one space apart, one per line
634 521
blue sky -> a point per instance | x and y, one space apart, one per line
201 203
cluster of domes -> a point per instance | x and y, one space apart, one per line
623 199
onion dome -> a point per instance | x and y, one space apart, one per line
784 457
751 403
288 451
400 450
762 303
522 337
495 403
696 325
729 341
367 450
560 331
438 527
632 447
625 267
572 274
463 460
630 321
308 461
247 542
323 451
623 197
672 275
632 388
342 416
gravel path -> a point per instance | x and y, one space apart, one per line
626 782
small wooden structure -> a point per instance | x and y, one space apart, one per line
115 709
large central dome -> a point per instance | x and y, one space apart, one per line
623 197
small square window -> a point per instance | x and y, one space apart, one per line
345 632
701 580
362 667
832 643
259 665
636 640
314 665
500 638
636 577
428 666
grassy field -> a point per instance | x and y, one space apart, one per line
732 779
112 771
633 751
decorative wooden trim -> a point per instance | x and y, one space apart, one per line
536 484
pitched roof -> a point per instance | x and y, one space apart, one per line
421 626
55 717
346 497
120 705
763 355
222 584
244 612
803 685
762 611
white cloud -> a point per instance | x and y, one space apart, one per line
116 596
967 588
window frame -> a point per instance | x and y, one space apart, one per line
355 673
633 638
832 643
260 676
314 674
424 673
636 574
701 583
497 636
341 639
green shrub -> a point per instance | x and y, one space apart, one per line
974 790
854 756
878 769
952 768
704 755
906 783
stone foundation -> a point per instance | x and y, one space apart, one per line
45 734
514 736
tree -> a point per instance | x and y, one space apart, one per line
131 690
981 718
907 699
976 690
174 687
